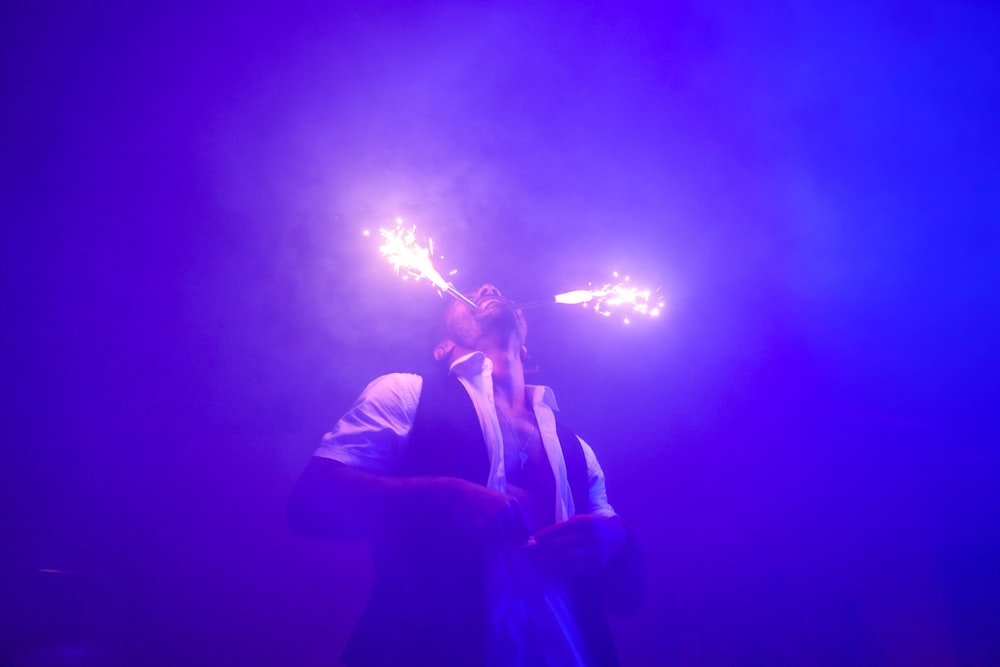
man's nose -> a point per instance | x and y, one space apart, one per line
487 290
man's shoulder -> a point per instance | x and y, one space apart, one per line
391 381
393 388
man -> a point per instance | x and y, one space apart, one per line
491 532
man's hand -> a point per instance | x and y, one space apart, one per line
595 547
335 500
585 544
466 510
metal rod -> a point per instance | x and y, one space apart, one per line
450 289
534 303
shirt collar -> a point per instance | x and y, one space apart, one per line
473 363
476 363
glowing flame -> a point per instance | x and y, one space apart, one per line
401 249
613 297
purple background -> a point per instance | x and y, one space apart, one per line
806 443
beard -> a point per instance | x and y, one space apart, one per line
498 315
499 320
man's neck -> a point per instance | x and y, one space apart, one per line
508 374
508 377
508 380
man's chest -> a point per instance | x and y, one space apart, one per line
527 470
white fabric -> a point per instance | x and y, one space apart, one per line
373 434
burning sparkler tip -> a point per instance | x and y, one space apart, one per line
406 255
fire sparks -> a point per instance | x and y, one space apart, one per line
405 253
401 248
616 297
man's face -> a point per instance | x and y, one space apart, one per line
497 318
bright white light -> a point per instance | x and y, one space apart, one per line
618 296
401 249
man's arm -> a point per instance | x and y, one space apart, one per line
337 501
596 543
602 547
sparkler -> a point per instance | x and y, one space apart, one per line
401 248
609 298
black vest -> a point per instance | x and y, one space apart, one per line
446 439
428 602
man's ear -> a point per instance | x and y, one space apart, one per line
443 349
